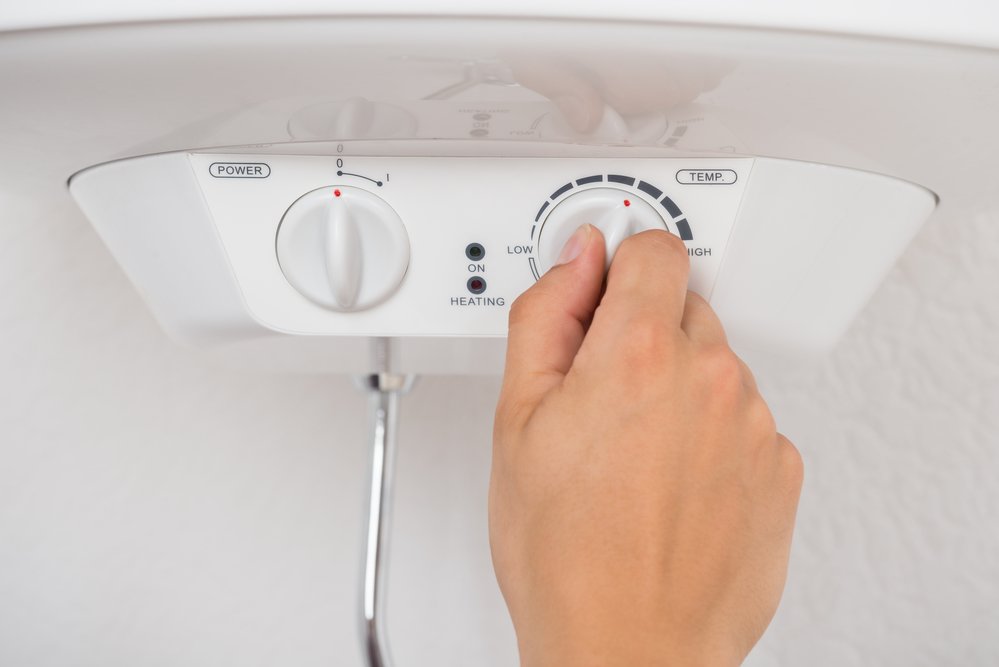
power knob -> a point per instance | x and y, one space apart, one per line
616 213
343 248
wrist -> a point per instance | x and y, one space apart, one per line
627 650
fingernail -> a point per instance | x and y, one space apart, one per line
574 246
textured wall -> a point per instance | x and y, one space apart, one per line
155 511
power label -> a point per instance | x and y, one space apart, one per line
239 169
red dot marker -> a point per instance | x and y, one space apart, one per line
336 193
627 202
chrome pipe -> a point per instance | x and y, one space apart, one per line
384 389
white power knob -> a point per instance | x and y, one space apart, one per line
616 213
343 248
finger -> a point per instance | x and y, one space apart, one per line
700 322
701 325
549 320
647 279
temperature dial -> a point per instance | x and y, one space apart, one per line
343 248
616 213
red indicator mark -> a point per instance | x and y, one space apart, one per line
627 202
336 193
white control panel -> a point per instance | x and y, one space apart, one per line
410 246
293 261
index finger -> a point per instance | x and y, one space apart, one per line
648 278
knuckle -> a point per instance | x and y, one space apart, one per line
696 301
646 339
513 411
520 309
700 310
699 316
721 370
761 419
792 464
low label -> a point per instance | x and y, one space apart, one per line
706 177
239 170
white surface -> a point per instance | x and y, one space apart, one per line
157 511
962 21
809 248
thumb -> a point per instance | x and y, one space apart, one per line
549 320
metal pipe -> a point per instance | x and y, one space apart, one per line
384 389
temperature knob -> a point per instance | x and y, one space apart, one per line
616 213
343 248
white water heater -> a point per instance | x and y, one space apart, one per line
283 189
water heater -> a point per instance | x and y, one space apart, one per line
281 190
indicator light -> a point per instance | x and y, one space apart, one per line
475 251
627 202
476 285
336 193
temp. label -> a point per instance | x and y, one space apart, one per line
706 177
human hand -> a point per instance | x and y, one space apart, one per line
641 503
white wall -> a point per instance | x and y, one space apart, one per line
155 511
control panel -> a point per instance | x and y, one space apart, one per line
411 246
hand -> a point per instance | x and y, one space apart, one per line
642 503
